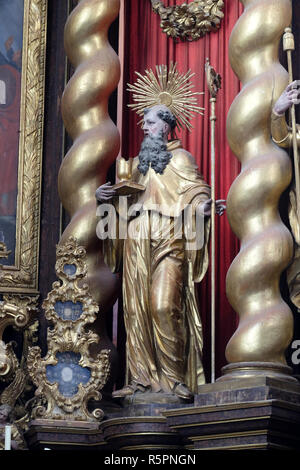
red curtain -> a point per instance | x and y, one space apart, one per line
145 46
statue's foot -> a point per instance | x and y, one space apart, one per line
129 390
124 392
182 391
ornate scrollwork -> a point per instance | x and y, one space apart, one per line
16 310
68 377
18 387
189 22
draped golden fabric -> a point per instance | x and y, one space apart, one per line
163 324
282 136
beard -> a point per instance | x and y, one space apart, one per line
153 151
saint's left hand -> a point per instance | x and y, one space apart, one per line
219 205
290 96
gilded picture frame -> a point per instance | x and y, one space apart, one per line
21 276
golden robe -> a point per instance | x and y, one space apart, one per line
163 324
282 136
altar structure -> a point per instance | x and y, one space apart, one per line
67 69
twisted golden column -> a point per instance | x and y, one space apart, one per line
266 323
96 140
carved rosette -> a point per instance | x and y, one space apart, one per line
68 377
266 323
189 21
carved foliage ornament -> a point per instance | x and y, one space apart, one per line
19 311
189 22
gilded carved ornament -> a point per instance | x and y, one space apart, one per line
16 386
18 311
189 22
67 378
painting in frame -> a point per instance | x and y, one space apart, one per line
22 81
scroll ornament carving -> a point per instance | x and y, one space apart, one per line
16 386
19 311
189 22
68 377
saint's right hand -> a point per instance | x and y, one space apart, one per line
105 192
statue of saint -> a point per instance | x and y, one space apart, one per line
282 136
161 263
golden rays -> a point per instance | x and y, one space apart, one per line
169 88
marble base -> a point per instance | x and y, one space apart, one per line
150 398
253 413
141 424
247 413
64 435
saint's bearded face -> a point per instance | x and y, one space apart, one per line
158 122
154 126
153 152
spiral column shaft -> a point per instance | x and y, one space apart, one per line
266 324
96 140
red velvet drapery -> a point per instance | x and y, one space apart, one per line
145 46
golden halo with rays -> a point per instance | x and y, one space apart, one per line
170 88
